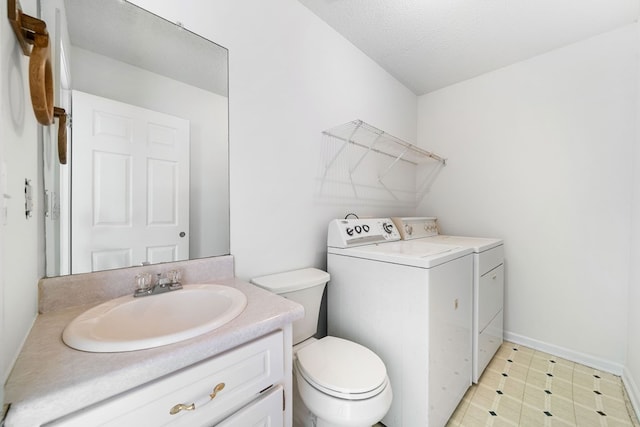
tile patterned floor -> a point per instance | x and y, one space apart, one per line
528 388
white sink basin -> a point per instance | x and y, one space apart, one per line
128 323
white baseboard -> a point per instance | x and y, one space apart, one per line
574 356
633 391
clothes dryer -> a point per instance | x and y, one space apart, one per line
410 303
488 283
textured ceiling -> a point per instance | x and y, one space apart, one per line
430 44
132 35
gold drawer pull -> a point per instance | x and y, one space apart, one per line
182 407
216 389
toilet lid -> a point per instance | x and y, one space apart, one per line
342 368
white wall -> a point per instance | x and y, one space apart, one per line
22 243
540 154
291 76
631 373
3 71
208 117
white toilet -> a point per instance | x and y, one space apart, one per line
335 382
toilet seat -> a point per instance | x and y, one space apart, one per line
342 368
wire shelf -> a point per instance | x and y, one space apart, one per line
364 170
373 139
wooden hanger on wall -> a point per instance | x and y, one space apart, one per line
33 38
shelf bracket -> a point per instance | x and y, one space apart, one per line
353 169
383 174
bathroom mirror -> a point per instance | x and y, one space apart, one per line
113 62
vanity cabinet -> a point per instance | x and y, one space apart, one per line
243 386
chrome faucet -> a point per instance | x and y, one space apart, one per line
170 281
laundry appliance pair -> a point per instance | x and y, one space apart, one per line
429 305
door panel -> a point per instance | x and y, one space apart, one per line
112 189
162 192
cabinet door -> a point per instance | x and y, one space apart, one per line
266 411
245 371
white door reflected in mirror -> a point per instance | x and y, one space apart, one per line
131 202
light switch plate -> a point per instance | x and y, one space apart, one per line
28 198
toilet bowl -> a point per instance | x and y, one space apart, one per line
341 383
336 382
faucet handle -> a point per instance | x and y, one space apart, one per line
143 284
174 277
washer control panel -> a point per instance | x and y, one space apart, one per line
345 233
416 227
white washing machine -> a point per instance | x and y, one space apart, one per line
410 303
488 283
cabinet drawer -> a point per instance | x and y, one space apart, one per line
244 371
266 411
488 260
490 296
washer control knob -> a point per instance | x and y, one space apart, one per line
388 228
409 229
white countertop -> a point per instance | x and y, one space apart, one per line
50 379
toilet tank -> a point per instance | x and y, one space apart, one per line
303 286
